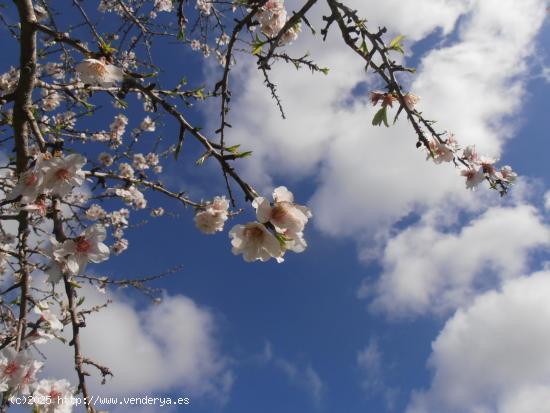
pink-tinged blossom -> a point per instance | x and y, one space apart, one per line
88 247
474 176
442 151
147 125
410 100
62 174
287 217
255 242
95 212
105 159
17 370
204 6
213 217
272 17
97 72
488 165
387 99
163 5
507 174
470 153
29 186
54 396
48 317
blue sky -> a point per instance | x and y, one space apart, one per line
390 308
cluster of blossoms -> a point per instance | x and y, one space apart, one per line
279 227
50 175
18 372
272 17
204 6
474 168
387 99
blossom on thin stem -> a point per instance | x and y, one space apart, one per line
88 247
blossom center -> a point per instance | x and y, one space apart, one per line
11 368
54 394
83 245
278 212
99 69
31 180
254 233
62 174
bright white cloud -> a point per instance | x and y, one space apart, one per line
493 356
373 177
428 268
169 346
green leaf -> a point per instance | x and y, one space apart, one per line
324 70
396 45
381 117
80 301
243 154
257 45
233 149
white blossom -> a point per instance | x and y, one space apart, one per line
54 396
255 242
97 72
106 159
88 247
62 174
126 170
139 162
213 217
147 125
29 186
288 218
204 6
17 371
163 5
95 212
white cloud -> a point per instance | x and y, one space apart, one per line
304 377
370 361
493 356
156 348
373 177
428 268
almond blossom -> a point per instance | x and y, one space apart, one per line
88 247
54 396
255 242
17 370
29 186
474 176
287 217
53 323
212 218
97 72
62 174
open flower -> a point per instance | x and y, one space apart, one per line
212 219
97 72
255 242
46 315
29 186
62 174
474 176
410 100
54 396
287 217
88 247
17 370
